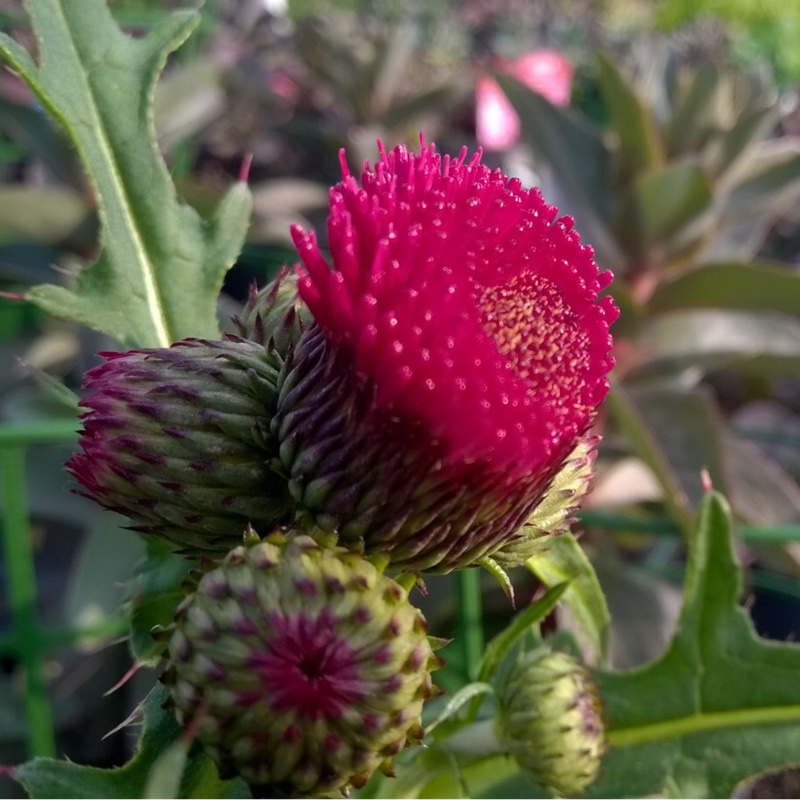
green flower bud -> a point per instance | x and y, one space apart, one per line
550 721
302 668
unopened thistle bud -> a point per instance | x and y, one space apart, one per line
275 316
550 721
302 668
178 440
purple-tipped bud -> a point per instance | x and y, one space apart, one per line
276 315
313 674
178 440
550 721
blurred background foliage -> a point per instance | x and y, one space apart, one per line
668 129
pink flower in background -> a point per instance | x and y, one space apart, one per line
545 71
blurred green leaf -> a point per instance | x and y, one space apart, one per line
631 120
695 110
726 148
761 491
31 127
161 266
676 432
662 202
41 215
47 777
186 100
102 567
719 706
755 286
769 177
631 312
761 343
407 109
331 56
392 59
565 561
26 263
54 388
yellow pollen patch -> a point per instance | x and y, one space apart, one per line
541 337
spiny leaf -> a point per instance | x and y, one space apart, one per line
47 777
720 705
161 266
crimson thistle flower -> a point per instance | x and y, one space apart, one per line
457 359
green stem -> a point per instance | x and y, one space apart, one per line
471 619
702 723
39 432
18 551
775 534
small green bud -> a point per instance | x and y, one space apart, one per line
550 721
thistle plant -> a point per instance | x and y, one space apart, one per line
454 358
418 394
178 440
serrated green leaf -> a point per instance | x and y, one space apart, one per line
161 266
565 562
47 777
720 705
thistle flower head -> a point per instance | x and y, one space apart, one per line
302 668
458 323
467 302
